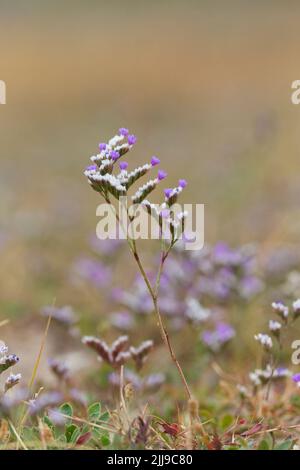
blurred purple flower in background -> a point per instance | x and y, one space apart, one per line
105 248
64 315
215 339
122 320
92 271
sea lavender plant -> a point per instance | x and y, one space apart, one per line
104 179
271 370
119 353
7 361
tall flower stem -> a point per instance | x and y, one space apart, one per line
154 296
162 328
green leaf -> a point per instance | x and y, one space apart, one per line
105 441
263 445
66 409
70 429
104 416
285 445
227 421
94 412
75 435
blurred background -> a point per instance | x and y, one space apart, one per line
205 86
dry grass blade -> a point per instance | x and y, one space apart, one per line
20 441
38 360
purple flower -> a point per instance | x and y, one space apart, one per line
131 139
168 192
91 167
182 183
64 315
296 378
223 254
102 146
114 155
161 175
43 401
217 338
105 247
154 381
92 271
123 131
122 320
250 286
123 165
155 161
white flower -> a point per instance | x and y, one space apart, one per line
242 390
274 326
115 140
12 380
196 312
281 309
254 378
264 340
296 306
3 348
144 190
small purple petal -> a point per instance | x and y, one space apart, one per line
123 131
155 161
114 155
102 146
91 167
132 139
168 192
182 183
123 165
296 378
161 175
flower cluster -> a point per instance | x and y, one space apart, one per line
101 174
215 339
119 352
195 281
263 376
264 340
287 316
104 179
94 272
296 379
6 361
